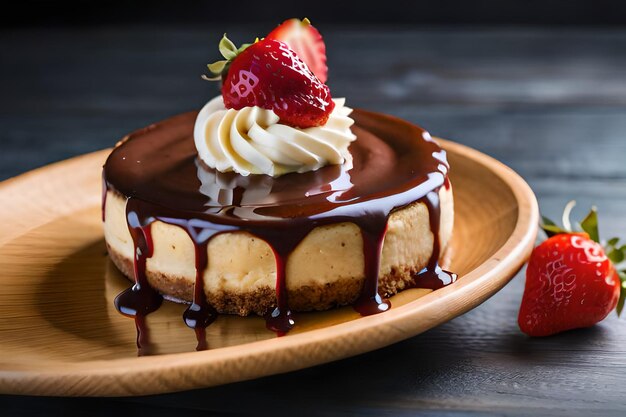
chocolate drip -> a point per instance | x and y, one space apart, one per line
141 299
201 338
373 233
104 196
199 314
144 346
394 164
283 240
433 277
280 320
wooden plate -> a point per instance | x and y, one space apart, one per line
60 334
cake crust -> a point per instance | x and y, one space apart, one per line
261 300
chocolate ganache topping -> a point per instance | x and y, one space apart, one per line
157 169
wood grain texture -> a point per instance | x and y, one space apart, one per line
61 335
549 103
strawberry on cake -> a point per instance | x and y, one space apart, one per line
276 197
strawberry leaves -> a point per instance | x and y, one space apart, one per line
550 228
615 251
229 51
227 48
622 294
590 224
617 254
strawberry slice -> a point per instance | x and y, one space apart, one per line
306 42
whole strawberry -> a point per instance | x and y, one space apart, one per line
571 282
270 75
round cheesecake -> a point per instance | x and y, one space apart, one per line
342 234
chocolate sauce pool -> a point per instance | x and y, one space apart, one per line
393 165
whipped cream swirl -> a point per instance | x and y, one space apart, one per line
253 141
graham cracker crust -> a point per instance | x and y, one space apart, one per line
262 300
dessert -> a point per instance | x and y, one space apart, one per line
276 198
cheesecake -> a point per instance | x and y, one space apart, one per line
242 211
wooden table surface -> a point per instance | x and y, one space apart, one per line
549 103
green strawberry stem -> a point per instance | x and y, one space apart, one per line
622 293
615 251
229 51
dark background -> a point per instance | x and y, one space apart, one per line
419 12
539 85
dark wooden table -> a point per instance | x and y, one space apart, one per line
549 103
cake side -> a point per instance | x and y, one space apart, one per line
325 270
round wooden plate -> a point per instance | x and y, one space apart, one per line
60 334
